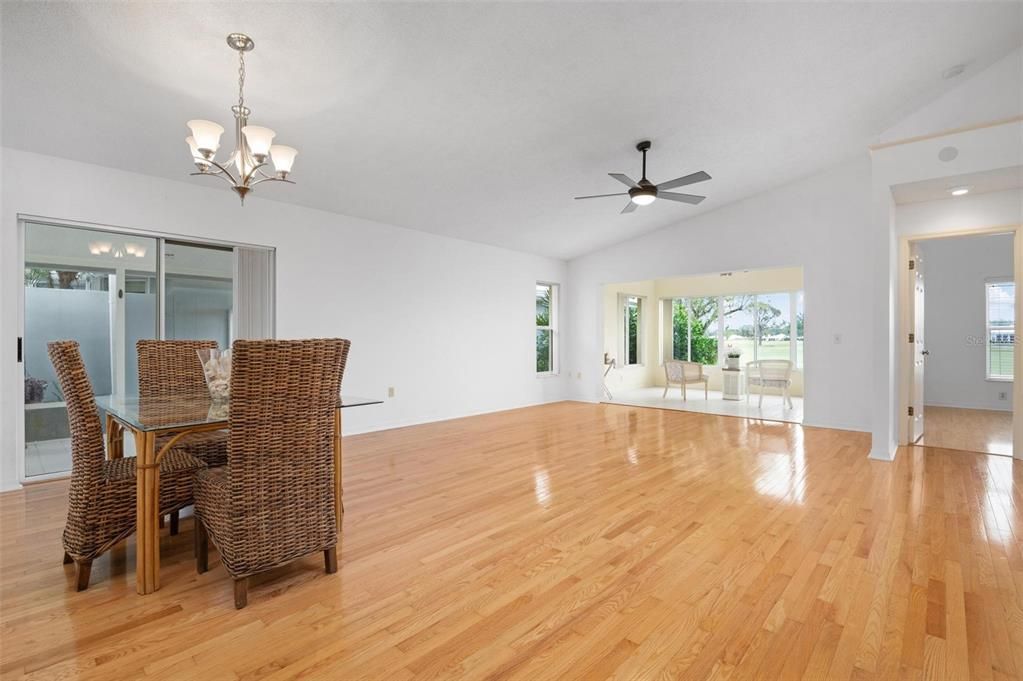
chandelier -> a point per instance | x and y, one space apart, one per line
116 251
253 146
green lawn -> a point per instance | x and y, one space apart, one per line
767 350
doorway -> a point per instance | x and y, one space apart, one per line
726 343
962 313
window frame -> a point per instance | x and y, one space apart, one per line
552 327
988 285
668 320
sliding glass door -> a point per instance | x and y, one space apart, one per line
107 290
94 287
199 298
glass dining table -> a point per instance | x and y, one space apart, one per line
178 416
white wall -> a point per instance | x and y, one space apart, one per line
955 270
990 95
960 214
816 223
448 323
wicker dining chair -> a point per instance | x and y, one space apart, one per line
172 367
274 500
101 500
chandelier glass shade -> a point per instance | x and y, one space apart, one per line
247 165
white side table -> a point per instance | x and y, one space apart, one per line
731 384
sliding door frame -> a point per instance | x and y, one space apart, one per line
161 237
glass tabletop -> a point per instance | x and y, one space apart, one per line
176 412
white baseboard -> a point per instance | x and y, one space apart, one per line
969 406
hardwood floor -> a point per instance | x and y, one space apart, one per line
971 430
570 541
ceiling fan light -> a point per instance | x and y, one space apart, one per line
206 135
283 158
643 198
259 140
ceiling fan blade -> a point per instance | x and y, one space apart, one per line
624 179
684 198
629 207
683 181
600 196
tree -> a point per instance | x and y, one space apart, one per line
765 315
633 335
35 277
543 336
694 322
703 316
543 308
680 330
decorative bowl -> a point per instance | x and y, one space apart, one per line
216 367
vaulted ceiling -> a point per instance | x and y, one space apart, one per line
482 120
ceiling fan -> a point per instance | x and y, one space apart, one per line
645 192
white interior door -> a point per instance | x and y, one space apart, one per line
916 401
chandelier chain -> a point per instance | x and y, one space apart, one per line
241 79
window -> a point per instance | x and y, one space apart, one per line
757 325
546 328
680 329
772 314
632 330
799 329
703 330
740 324
1001 329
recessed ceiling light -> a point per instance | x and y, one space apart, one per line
953 71
959 191
948 154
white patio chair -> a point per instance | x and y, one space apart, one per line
769 373
683 373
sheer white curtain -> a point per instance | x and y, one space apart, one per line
253 293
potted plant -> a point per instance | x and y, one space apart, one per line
732 358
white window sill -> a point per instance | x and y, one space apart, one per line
548 374
995 379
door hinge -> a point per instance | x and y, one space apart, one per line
19 350
911 411
912 338
912 264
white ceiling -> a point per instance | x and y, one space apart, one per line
483 120
985 182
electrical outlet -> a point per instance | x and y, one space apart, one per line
837 339
1003 396
390 392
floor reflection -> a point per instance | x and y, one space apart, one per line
542 487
